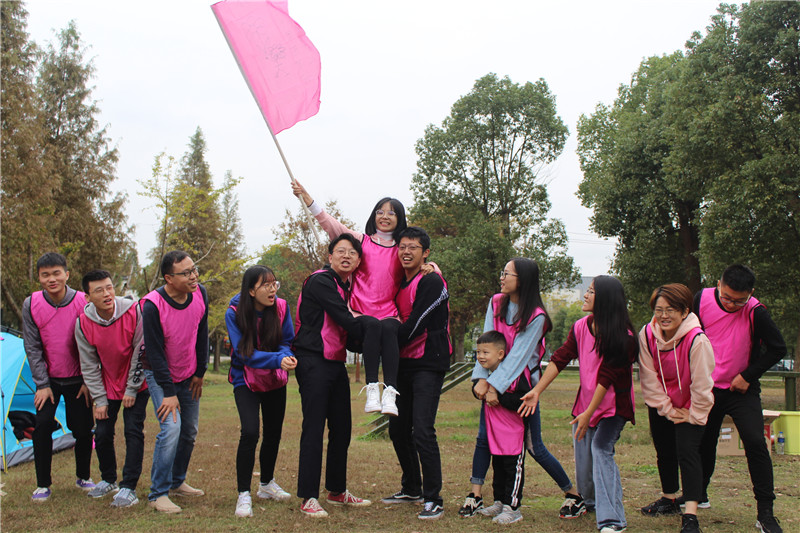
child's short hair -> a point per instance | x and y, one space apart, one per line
493 337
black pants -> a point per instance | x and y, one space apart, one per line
380 348
509 478
133 421
79 420
413 433
324 396
745 409
678 445
273 407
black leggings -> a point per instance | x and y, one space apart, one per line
678 445
380 347
273 407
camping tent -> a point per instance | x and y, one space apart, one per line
16 394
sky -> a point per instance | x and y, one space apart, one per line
389 69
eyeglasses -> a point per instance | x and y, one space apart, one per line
102 290
381 212
409 247
503 274
665 312
194 271
344 251
735 303
269 286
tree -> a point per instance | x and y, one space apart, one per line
479 193
563 319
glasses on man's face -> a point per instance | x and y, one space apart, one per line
194 271
409 247
270 286
735 303
102 290
349 252
665 311
504 273
381 212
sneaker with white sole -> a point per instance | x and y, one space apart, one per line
41 494
388 403
472 504
102 488
573 507
767 523
402 497
272 491
85 484
702 504
373 404
493 510
508 516
431 511
186 490
124 498
612 529
244 505
345 498
312 508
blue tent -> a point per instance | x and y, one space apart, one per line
16 391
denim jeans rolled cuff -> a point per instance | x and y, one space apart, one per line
482 457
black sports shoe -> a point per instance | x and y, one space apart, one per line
402 497
431 511
662 506
573 507
702 504
472 504
767 523
689 524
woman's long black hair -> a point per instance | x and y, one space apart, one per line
612 324
529 296
397 206
265 334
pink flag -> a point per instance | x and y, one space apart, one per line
279 62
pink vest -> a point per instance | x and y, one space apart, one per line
405 304
731 336
376 280
265 379
673 368
509 331
180 333
57 331
588 370
114 345
334 336
505 429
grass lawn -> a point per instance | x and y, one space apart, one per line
373 472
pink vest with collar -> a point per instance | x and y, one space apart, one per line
505 429
57 331
509 331
673 367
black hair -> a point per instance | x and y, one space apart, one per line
739 278
51 259
264 334
346 237
397 206
415 232
94 275
530 296
612 324
169 259
493 337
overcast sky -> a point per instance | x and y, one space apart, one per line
388 70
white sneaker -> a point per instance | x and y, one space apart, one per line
272 491
244 505
493 510
388 405
373 404
508 516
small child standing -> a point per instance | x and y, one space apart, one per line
506 434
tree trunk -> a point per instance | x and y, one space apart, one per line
217 352
9 297
459 330
690 241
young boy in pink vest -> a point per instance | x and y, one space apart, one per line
109 337
175 319
48 331
746 344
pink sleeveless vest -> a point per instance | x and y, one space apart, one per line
57 331
505 429
673 366
405 304
266 379
114 347
731 336
509 331
334 336
376 280
180 333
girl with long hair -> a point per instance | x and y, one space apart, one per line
260 332
605 346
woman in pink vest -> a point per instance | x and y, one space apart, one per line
518 313
605 346
675 365
260 331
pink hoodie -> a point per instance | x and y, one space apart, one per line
701 365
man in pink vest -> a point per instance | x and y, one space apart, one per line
746 344
48 331
175 318
109 337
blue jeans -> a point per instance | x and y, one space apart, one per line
597 472
534 444
175 441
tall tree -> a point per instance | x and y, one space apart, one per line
478 191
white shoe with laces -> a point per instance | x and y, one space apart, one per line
493 510
272 491
244 505
373 404
388 403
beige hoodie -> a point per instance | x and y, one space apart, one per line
701 364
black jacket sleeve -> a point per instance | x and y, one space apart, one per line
768 345
323 290
431 293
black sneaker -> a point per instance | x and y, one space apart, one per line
767 523
472 504
402 497
689 524
431 511
702 504
662 506
573 507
